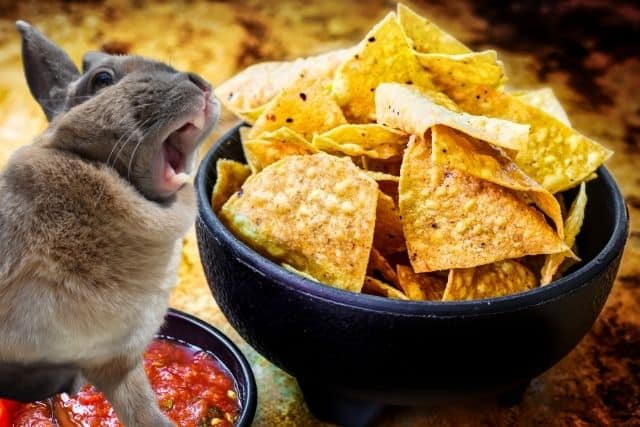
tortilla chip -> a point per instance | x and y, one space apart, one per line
388 237
378 265
298 272
453 149
477 68
315 213
270 147
383 56
555 155
545 100
406 108
423 287
250 116
249 91
488 281
377 287
229 178
382 177
305 107
455 220
573 224
426 36
371 140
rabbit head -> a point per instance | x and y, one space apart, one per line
142 117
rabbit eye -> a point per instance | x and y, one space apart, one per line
101 79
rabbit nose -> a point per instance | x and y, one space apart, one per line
200 82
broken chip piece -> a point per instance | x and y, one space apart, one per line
229 178
488 281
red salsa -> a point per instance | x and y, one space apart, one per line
192 388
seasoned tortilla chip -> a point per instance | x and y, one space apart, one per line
250 116
424 287
298 272
455 220
371 140
377 287
555 155
306 107
383 56
406 108
488 281
453 149
545 100
477 68
383 177
379 265
573 224
247 92
388 237
270 147
426 36
315 213
229 178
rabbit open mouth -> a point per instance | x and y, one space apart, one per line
178 152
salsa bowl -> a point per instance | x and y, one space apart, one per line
345 348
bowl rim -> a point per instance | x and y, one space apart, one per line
509 303
248 409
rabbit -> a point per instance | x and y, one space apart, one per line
92 216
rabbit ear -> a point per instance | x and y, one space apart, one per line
91 59
48 69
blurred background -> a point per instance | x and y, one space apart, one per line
587 51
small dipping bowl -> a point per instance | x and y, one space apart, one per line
196 332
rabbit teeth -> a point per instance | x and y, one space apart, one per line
199 121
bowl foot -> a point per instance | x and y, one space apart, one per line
329 406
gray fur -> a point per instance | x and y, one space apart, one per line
88 249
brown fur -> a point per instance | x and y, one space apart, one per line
87 256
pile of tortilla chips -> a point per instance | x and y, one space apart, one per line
401 167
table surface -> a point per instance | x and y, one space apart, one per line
587 51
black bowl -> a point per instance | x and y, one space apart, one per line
368 348
194 331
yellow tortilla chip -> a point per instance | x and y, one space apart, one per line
388 237
477 68
371 140
229 178
423 287
555 155
573 224
382 177
455 220
305 107
488 281
315 213
249 91
270 147
453 149
250 116
426 36
377 287
383 56
545 100
406 108
298 272
379 265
